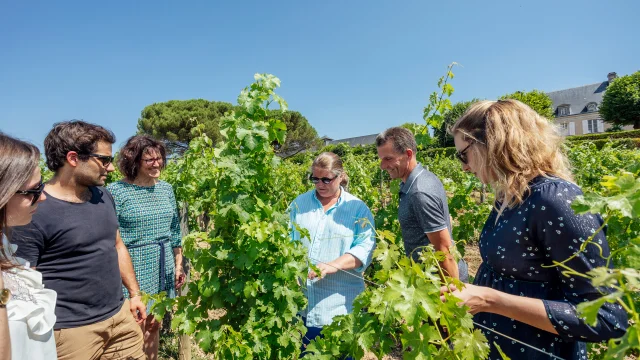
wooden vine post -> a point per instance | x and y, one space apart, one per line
185 341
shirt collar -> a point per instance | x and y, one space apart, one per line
406 186
340 198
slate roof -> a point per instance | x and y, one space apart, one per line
578 97
355 141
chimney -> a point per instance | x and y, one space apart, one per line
611 76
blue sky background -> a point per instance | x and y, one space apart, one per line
351 67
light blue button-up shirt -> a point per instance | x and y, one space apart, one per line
346 228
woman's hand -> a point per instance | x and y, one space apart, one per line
325 269
477 298
180 277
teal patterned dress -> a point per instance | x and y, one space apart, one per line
150 228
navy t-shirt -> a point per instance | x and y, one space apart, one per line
73 246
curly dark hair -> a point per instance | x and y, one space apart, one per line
131 153
75 135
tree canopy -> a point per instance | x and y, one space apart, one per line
174 122
300 134
621 102
443 139
539 101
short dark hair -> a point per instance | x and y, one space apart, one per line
402 138
75 135
131 153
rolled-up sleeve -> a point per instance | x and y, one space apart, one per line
292 221
563 232
364 238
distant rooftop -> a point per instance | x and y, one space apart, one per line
572 101
578 98
355 141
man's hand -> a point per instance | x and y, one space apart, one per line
138 309
441 241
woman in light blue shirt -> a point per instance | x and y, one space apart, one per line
340 243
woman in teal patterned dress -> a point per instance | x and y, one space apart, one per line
149 225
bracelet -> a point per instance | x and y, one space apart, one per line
134 294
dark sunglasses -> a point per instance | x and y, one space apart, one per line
105 159
35 192
324 180
462 155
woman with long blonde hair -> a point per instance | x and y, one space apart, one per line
516 291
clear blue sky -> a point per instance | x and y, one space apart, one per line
351 67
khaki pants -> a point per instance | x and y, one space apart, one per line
118 337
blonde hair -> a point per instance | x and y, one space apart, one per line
331 162
514 145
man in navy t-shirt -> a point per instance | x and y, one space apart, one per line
75 243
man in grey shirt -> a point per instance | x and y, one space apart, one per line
423 212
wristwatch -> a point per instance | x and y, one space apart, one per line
5 296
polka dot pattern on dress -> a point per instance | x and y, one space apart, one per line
515 251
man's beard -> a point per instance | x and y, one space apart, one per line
89 180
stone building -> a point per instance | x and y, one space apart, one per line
576 109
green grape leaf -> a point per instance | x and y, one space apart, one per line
471 345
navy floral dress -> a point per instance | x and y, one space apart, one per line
542 229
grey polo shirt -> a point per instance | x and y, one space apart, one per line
423 209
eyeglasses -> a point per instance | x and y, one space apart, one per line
35 192
151 161
462 155
324 180
105 159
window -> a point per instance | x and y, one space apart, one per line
564 110
591 107
592 125
564 129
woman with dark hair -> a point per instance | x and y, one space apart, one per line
517 291
25 305
149 224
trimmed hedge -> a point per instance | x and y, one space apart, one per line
628 139
600 143
448 151
628 134
617 143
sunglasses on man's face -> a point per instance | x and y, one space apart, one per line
462 155
104 159
324 180
35 192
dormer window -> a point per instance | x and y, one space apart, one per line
592 107
564 110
